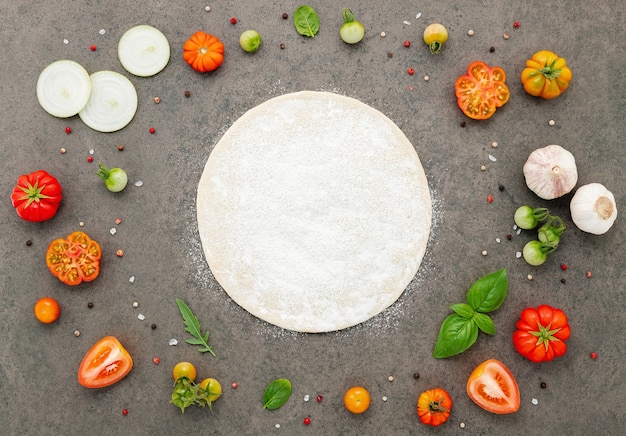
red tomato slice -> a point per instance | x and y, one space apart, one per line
493 387
106 362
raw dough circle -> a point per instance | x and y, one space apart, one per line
314 211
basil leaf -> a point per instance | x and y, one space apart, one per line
276 394
485 323
306 21
464 310
488 293
456 335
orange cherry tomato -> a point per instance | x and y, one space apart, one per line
203 52
106 362
434 406
492 386
74 259
481 90
47 310
357 399
184 369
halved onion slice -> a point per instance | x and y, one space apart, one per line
143 50
112 104
63 88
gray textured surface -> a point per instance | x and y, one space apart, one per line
159 237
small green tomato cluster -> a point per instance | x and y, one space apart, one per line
548 236
188 393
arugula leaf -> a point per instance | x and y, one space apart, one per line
276 394
456 335
488 293
192 326
306 21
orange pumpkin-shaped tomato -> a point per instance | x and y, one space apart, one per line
203 52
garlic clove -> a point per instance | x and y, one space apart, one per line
593 209
551 172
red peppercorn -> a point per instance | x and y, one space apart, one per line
233 20
588 274
125 412
234 385
407 43
152 130
92 47
594 355
156 360
411 71
89 159
489 199
563 266
68 130
516 24
307 421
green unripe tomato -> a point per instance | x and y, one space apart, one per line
250 41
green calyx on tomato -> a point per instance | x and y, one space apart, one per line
106 362
435 36
481 90
546 75
434 406
351 31
541 333
37 196
187 393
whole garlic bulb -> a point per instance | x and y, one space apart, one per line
593 209
551 172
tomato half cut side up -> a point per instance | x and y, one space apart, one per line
492 387
481 90
106 363
75 259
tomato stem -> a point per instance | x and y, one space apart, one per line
435 47
348 15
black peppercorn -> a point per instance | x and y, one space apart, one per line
492 49
29 242
153 326
416 375
187 93
543 385
285 16
90 305
463 123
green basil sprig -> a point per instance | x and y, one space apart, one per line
460 330
306 21
276 394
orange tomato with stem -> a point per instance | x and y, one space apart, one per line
357 399
434 406
546 75
204 52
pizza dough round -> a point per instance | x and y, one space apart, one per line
314 211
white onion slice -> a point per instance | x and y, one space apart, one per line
112 104
143 51
63 88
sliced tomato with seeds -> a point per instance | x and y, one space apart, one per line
492 386
481 90
106 362
75 259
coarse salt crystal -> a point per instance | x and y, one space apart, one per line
172 342
141 317
492 158
518 254
515 227
113 231
91 151
498 240
534 401
384 398
419 14
138 183
102 31
135 304
65 41
408 23
277 426
518 231
132 279
306 397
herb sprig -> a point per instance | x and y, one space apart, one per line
192 326
460 330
